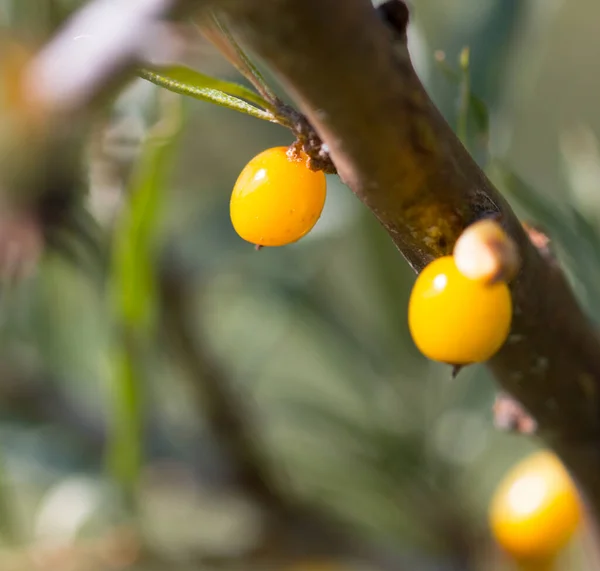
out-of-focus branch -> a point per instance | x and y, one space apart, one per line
50 95
353 79
229 420
48 100
292 529
100 42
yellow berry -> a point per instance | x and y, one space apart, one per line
457 320
536 509
277 199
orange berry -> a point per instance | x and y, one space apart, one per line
277 199
536 509
457 320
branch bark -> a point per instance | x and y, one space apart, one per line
353 79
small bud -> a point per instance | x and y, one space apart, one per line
484 251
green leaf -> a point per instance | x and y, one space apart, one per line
243 63
182 74
124 454
185 81
133 289
134 234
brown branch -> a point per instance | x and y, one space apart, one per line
353 79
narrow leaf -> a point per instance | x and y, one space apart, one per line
224 40
133 297
182 74
188 82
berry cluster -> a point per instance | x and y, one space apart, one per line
460 312
453 318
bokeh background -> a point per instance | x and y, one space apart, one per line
313 336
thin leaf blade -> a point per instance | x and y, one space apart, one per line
191 83
133 290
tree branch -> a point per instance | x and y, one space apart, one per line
353 79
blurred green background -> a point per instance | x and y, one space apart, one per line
313 335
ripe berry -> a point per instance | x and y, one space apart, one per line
536 509
457 320
277 199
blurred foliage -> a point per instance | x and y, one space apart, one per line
314 334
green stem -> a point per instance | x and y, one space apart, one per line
133 289
125 452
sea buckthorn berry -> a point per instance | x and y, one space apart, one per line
535 510
277 199
457 320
